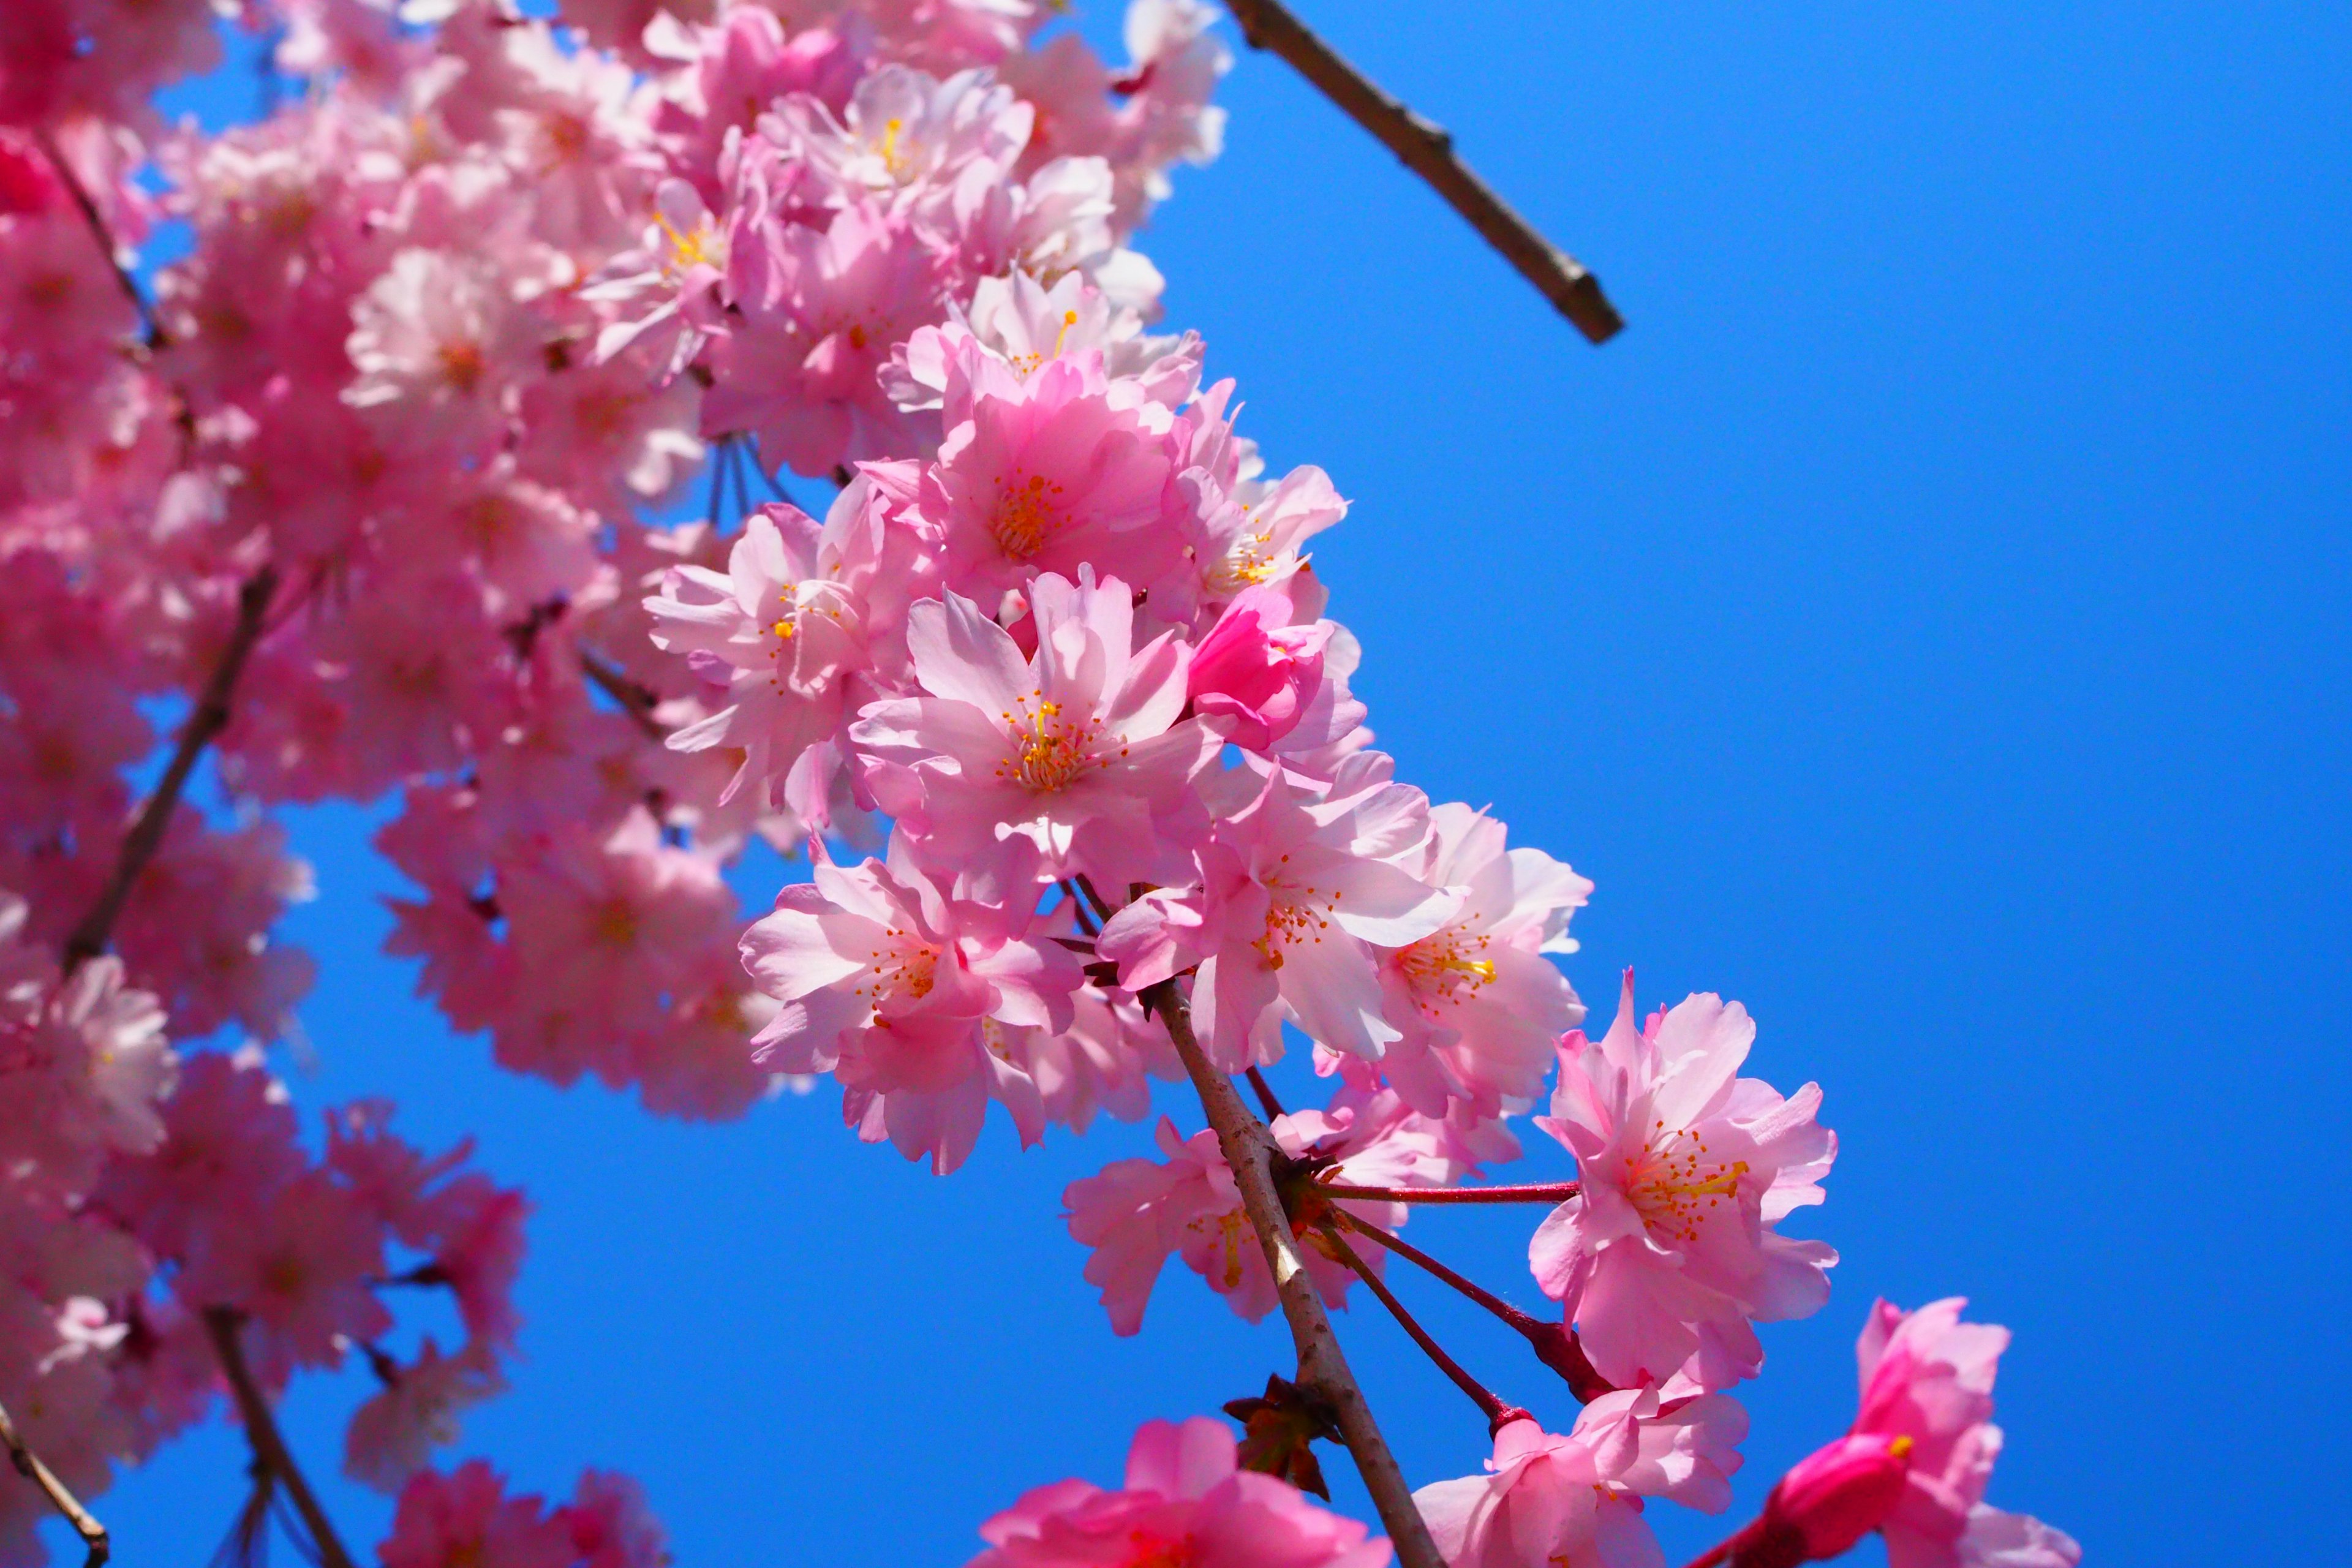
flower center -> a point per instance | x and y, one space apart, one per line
1445 968
1675 1185
907 969
1048 751
461 363
1027 514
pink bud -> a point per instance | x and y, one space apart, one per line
1836 1495
1254 674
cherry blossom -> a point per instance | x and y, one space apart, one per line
1183 1501
1669 1251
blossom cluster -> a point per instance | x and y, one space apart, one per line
373 466
371 495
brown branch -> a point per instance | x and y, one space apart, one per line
637 699
1250 1150
205 720
28 1465
95 221
1428 151
271 1458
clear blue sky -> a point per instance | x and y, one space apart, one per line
1926 623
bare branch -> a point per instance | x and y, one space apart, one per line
205 720
271 1458
1427 150
1250 1150
28 1465
95 221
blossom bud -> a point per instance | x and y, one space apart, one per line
1254 674
1834 1496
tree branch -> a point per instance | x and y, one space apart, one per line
205 720
1250 1150
637 699
95 221
271 1458
1428 151
28 1465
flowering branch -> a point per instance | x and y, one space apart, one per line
1495 1411
272 1460
1427 150
98 231
205 720
28 1465
1250 1150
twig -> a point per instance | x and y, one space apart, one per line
1535 1193
1422 1260
269 1451
28 1465
206 720
1249 1149
1427 150
636 698
1493 1408
95 221
1555 1344
1264 1091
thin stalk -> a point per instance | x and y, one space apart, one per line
1520 1320
205 720
1555 1344
1265 1094
271 1453
1530 1193
1495 1410
95 221
29 1466
1323 1371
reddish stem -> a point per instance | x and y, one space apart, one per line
1265 1094
1412 1254
1534 1192
1495 1411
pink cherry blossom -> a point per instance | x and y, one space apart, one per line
1293 892
783 633
1477 1006
1049 472
1927 1378
888 979
1076 750
1669 1251
1255 673
1184 1501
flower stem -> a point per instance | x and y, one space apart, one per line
1555 1344
270 1454
1536 1193
1265 1093
1495 1410
1414 1255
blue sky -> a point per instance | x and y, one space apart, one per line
1926 623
